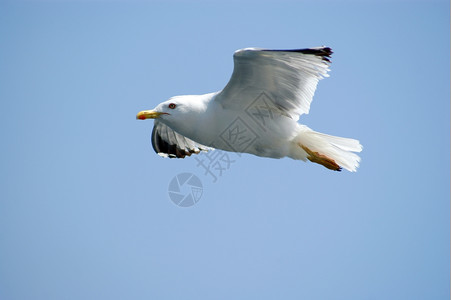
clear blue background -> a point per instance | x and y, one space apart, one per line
84 209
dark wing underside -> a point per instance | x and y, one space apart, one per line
168 143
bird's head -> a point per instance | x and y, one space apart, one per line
177 112
165 111
181 113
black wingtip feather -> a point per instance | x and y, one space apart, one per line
324 52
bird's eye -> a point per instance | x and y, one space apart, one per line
172 106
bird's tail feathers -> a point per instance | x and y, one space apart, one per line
333 152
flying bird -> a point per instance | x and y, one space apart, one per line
257 112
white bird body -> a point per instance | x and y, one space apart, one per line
206 129
255 113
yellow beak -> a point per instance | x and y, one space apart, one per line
149 114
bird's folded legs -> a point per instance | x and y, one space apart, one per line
321 159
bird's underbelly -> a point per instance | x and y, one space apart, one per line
241 133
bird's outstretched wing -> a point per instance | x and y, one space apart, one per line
287 77
168 143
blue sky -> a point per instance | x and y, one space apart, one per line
85 211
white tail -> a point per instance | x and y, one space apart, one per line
333 152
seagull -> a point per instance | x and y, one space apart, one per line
257 112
